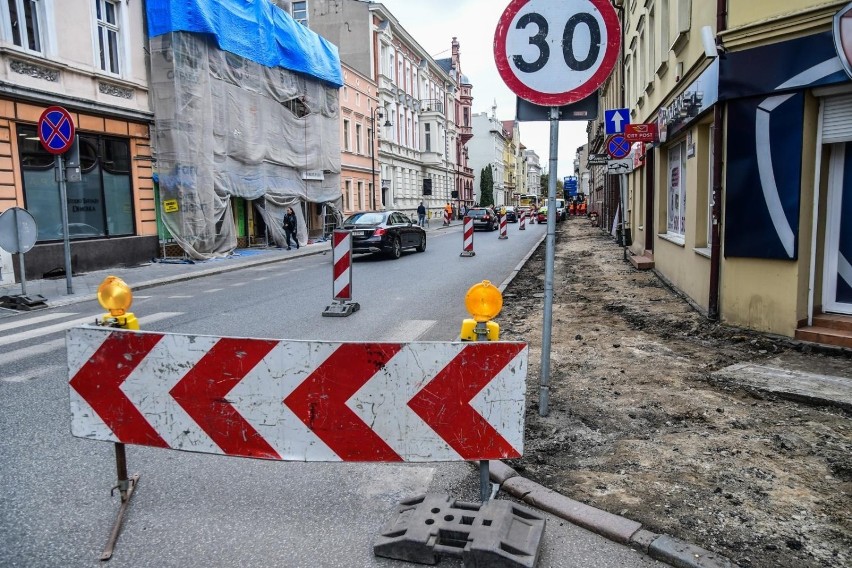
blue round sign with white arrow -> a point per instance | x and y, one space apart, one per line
56 130
617 146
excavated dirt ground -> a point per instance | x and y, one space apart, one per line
636 426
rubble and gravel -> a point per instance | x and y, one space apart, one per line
637 427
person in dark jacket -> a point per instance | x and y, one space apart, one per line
421 215
290 227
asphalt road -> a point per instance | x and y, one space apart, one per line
201 510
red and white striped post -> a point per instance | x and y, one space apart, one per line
522 223
504 228
341 254
467 235
446 217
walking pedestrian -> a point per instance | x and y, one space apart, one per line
421 215
448 212
290 225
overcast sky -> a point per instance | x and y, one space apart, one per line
433 25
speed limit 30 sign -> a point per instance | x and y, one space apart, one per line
556 52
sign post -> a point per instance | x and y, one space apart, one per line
554 53
56 133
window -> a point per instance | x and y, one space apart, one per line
300 12
360 196
347 195
346 142
358 139
676 215
710 187
24 23
108 35
426 128
100 205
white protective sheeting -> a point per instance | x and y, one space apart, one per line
226 127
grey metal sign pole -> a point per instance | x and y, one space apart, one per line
550 259
63 199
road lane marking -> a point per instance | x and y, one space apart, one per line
35 320
212 290
238 284
36 373
179 297
32 351
34 333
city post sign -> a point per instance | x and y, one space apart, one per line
640 132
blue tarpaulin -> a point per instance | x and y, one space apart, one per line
254 29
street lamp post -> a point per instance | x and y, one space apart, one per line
377 112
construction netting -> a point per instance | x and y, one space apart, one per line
227 126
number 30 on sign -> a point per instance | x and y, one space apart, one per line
556 52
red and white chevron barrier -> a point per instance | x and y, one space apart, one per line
504 228
342 260
522 223
341 279
299 400
446 217
467 237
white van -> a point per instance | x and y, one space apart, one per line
560 210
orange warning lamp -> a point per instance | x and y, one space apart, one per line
115 295
483 301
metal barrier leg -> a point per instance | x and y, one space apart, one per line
125 487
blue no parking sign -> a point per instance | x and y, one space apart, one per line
56 130
617 146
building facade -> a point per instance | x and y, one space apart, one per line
421 155
88 57
359 112
487 148
533 166
743 205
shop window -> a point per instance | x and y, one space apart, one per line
676 214
100 205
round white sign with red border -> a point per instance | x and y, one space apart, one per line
556 52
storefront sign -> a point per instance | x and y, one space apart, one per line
843 37
699 96
641 132
313 175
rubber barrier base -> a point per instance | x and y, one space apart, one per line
497 534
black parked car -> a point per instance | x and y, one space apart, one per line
511 215
483 218
384 231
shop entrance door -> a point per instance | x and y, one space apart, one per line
837 287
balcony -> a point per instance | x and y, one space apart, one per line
465 133
431 158
432 106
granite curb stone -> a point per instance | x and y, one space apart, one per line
664 548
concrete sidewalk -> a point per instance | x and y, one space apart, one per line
163 271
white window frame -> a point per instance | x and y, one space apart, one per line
43 15
358 146
360 194
347 195
676 208
120 27
347 133
300 14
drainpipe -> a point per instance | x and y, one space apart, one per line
718 152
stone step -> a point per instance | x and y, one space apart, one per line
642 262
834 321
825 336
